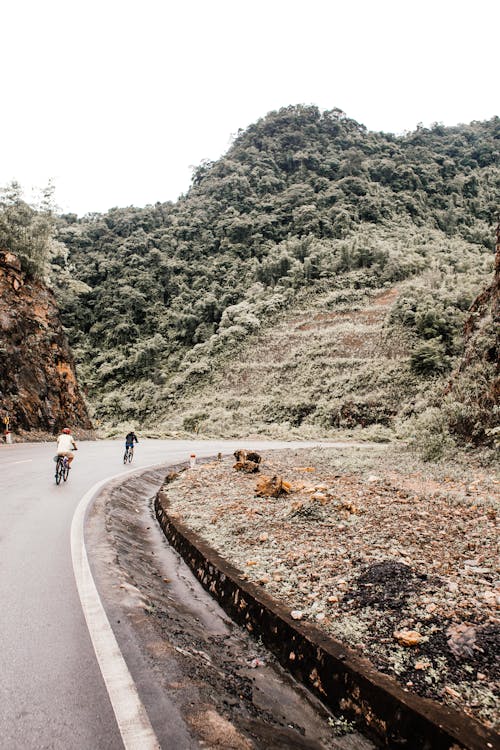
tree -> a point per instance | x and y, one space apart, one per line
27 230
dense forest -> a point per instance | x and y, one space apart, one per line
306 211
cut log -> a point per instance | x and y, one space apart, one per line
272 487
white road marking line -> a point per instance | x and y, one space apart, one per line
132 719
11 463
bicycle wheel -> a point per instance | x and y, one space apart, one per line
65 471
58 472
130 455
125 456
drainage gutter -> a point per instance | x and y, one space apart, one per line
347 683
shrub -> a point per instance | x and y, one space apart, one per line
192 422
428 434
429 357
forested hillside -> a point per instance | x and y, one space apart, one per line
307 214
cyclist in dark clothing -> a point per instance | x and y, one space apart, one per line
130 439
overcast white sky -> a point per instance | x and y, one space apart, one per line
116 100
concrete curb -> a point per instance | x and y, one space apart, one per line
346 682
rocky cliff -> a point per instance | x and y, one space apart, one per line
477 380
38 387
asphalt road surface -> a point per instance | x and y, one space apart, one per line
52 693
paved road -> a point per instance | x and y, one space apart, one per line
51 692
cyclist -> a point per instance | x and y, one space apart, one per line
130 439
66 444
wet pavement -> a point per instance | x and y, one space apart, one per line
204 680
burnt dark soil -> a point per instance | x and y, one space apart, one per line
387 587
484 659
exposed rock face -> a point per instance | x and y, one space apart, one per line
478 376
38 387
485 313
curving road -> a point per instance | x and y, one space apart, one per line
52 694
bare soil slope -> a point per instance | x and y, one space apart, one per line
332 366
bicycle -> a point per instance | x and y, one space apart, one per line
62 469
129 454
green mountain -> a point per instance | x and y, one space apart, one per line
316 276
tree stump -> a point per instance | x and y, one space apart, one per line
247 461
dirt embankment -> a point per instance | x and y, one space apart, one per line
399 564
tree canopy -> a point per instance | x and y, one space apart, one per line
27 229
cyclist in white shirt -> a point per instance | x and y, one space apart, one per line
66 444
